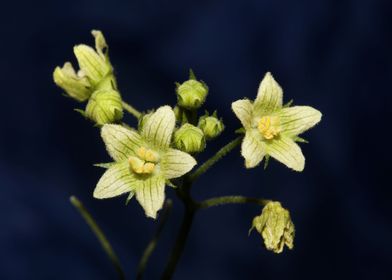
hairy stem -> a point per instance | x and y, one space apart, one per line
231 199
215 158
99 234
153 243
130 109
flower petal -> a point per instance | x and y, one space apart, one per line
159 127
285 150
269 96
252 149
117 180
120 142
175 163
151 194
91 63
297 119
243 110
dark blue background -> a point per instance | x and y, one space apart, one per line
332 55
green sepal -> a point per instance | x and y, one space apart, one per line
104 165
266 162
300 139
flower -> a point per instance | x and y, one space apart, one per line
144 161
275 226
272 129
190 139
211 126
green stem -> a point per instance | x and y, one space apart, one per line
153 243
215 158
130 109
231 199
99 234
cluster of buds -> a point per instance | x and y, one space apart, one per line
191 137
94 82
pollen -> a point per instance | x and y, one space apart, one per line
269 127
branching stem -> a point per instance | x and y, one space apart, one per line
215 158
231 199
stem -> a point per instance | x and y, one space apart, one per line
153 243
215 158
130 109
190 209
231 199
179 245
99 234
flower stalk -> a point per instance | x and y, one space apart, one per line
106 246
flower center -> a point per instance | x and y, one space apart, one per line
269 127
144 162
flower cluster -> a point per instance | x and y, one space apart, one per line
166 140
94 82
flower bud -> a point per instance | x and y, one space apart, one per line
211 126
192 93
76 85
95 63
275 226
104 106
190 139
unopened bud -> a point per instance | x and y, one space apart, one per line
105 106
190 139
192 93
211 126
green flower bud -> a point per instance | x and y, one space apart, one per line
76 85
104 106
95 63
192 93
190 139
275 226
211 126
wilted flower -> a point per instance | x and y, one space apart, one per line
211 126
272 129
144 161
275 226
190 139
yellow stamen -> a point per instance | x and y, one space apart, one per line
144 162
269 127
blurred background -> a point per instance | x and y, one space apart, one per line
332 55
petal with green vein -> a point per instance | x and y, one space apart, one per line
298 119
252 149
243 110
91 63
159 127
150 193
117 180
120 142
285 150
176 163
269 96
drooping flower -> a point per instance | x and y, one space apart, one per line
275 226
144 161
272 129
